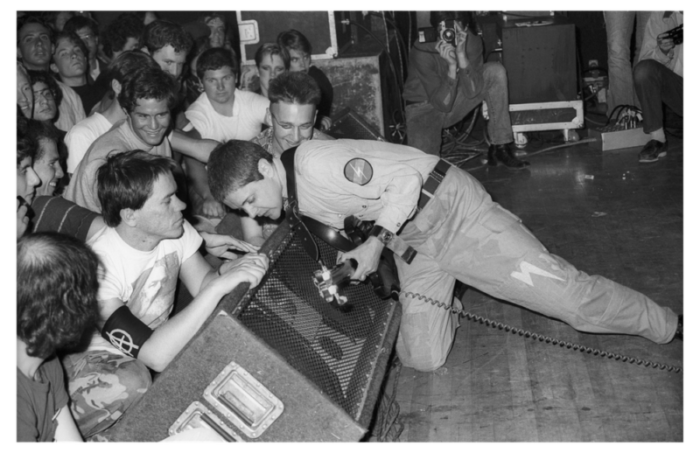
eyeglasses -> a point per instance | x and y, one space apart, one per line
44 94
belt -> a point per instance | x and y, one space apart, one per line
434 179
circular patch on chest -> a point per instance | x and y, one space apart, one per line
358 171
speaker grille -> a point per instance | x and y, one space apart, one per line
337 351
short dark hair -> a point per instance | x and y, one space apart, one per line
216 58
161 33
33 19
50 81
271 48
232 165
118 32
76 23
126 66
23 146
150 83
294 39
72 37
126 181
438 16
57 287
37 130
294 88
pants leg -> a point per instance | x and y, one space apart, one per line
427 332
424 127
657 85
619 26
483 245
102 387
496 96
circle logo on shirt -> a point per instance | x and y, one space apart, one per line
358 171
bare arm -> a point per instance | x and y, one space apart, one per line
208 287
66 431
252 231
197 179
192 145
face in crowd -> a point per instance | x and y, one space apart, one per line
170 61
217 29
25 95
27 180
34 46
90 40
262 198
69 59
150 120
270 68
47 167
298 60
292 124
44 102
161 215
220 84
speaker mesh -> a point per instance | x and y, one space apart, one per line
336 350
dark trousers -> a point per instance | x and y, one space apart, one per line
656 85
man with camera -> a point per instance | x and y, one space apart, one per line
448 79
658 78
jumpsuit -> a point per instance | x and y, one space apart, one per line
460 234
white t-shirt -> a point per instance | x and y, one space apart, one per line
80 137
82 188
70 110
249 110
144 281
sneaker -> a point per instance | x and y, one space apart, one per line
679 329
652 151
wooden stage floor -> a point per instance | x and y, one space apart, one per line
625 223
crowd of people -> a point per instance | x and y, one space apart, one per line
136 137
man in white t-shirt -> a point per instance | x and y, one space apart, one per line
147 101
221 113
146 245
120 72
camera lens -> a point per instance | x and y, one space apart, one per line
448 35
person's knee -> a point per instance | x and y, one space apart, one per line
495 73
645 71
421 347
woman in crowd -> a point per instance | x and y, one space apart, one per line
271 62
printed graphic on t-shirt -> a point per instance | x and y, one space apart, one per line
154 291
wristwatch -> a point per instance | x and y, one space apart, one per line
385 236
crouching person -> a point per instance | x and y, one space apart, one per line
146 245
56 305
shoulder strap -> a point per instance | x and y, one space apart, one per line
287 159
292 210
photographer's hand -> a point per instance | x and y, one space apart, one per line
447 53
461 41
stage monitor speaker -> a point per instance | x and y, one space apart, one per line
539 55
277 362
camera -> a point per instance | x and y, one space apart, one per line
447 31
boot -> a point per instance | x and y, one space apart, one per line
503 153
